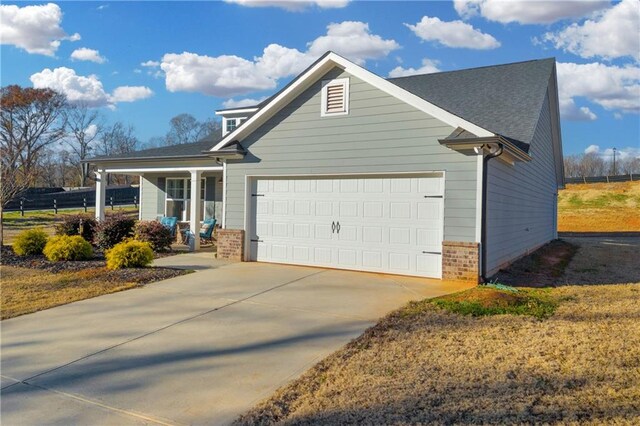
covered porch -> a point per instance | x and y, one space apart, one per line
191 193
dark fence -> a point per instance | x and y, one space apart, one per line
79 198
605 179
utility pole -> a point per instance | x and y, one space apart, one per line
614 161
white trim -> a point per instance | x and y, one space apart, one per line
141 178
344 82
236 111
368 174
320 68
224 194
166 169
238 121
187 188
479 166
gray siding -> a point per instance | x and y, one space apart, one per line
380 134
151 196
521 210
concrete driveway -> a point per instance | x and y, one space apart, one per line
196 349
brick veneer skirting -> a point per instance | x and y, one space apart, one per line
460 261
231 244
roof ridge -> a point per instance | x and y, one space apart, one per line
475 68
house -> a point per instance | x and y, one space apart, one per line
449 175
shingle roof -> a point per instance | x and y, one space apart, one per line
182 150
504 99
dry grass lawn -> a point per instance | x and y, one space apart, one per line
25 290
599 207
425 365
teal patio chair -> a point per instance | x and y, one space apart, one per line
206 230
171 223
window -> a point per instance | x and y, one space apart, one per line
231 124
178 197
335 97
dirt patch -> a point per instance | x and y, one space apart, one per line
543 268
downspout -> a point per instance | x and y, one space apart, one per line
483 229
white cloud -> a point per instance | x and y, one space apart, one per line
292 5
230 75
232 103
86 89
150 64
614 88
453 34
91 130
613 33
428 66
592 149
130 93
35 29
570 111
527 11
84 54
617 116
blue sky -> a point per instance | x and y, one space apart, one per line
201 56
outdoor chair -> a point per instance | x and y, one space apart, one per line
170 223
206 230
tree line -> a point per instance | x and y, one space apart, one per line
44 139
593 164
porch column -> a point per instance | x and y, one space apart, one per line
101 192
194 219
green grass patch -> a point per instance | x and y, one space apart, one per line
484 301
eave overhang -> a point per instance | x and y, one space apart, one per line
511 153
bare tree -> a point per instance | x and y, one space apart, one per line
84 126
30 120
185 128
117 139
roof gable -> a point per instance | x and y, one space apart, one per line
316 71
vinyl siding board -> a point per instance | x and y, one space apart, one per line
381 134
522 200
149 197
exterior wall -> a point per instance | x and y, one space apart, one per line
380 134
522 200
460 261
152 196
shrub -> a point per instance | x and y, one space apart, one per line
154 233
30 242
68 247
70 225
114 229
129 254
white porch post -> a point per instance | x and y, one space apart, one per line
194 219
101 192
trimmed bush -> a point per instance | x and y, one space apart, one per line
114 229
68 247
70 225
129 254
154 233
30 242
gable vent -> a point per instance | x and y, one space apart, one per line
335 95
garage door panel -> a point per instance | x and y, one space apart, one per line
385 223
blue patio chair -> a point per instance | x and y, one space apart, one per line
171 223
206 230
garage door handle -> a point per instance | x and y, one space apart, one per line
333 227
338 227
256 241
431 252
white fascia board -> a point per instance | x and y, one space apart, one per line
164 169
380 83
236 111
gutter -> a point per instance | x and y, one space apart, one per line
483 229
203 156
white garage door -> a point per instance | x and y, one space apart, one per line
379 224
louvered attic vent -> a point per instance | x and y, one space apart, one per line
335 97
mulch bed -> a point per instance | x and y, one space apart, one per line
137 275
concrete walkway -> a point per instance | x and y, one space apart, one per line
196 349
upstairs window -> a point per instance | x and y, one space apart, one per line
231 124
335 97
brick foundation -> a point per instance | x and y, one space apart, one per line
460 261
231 244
